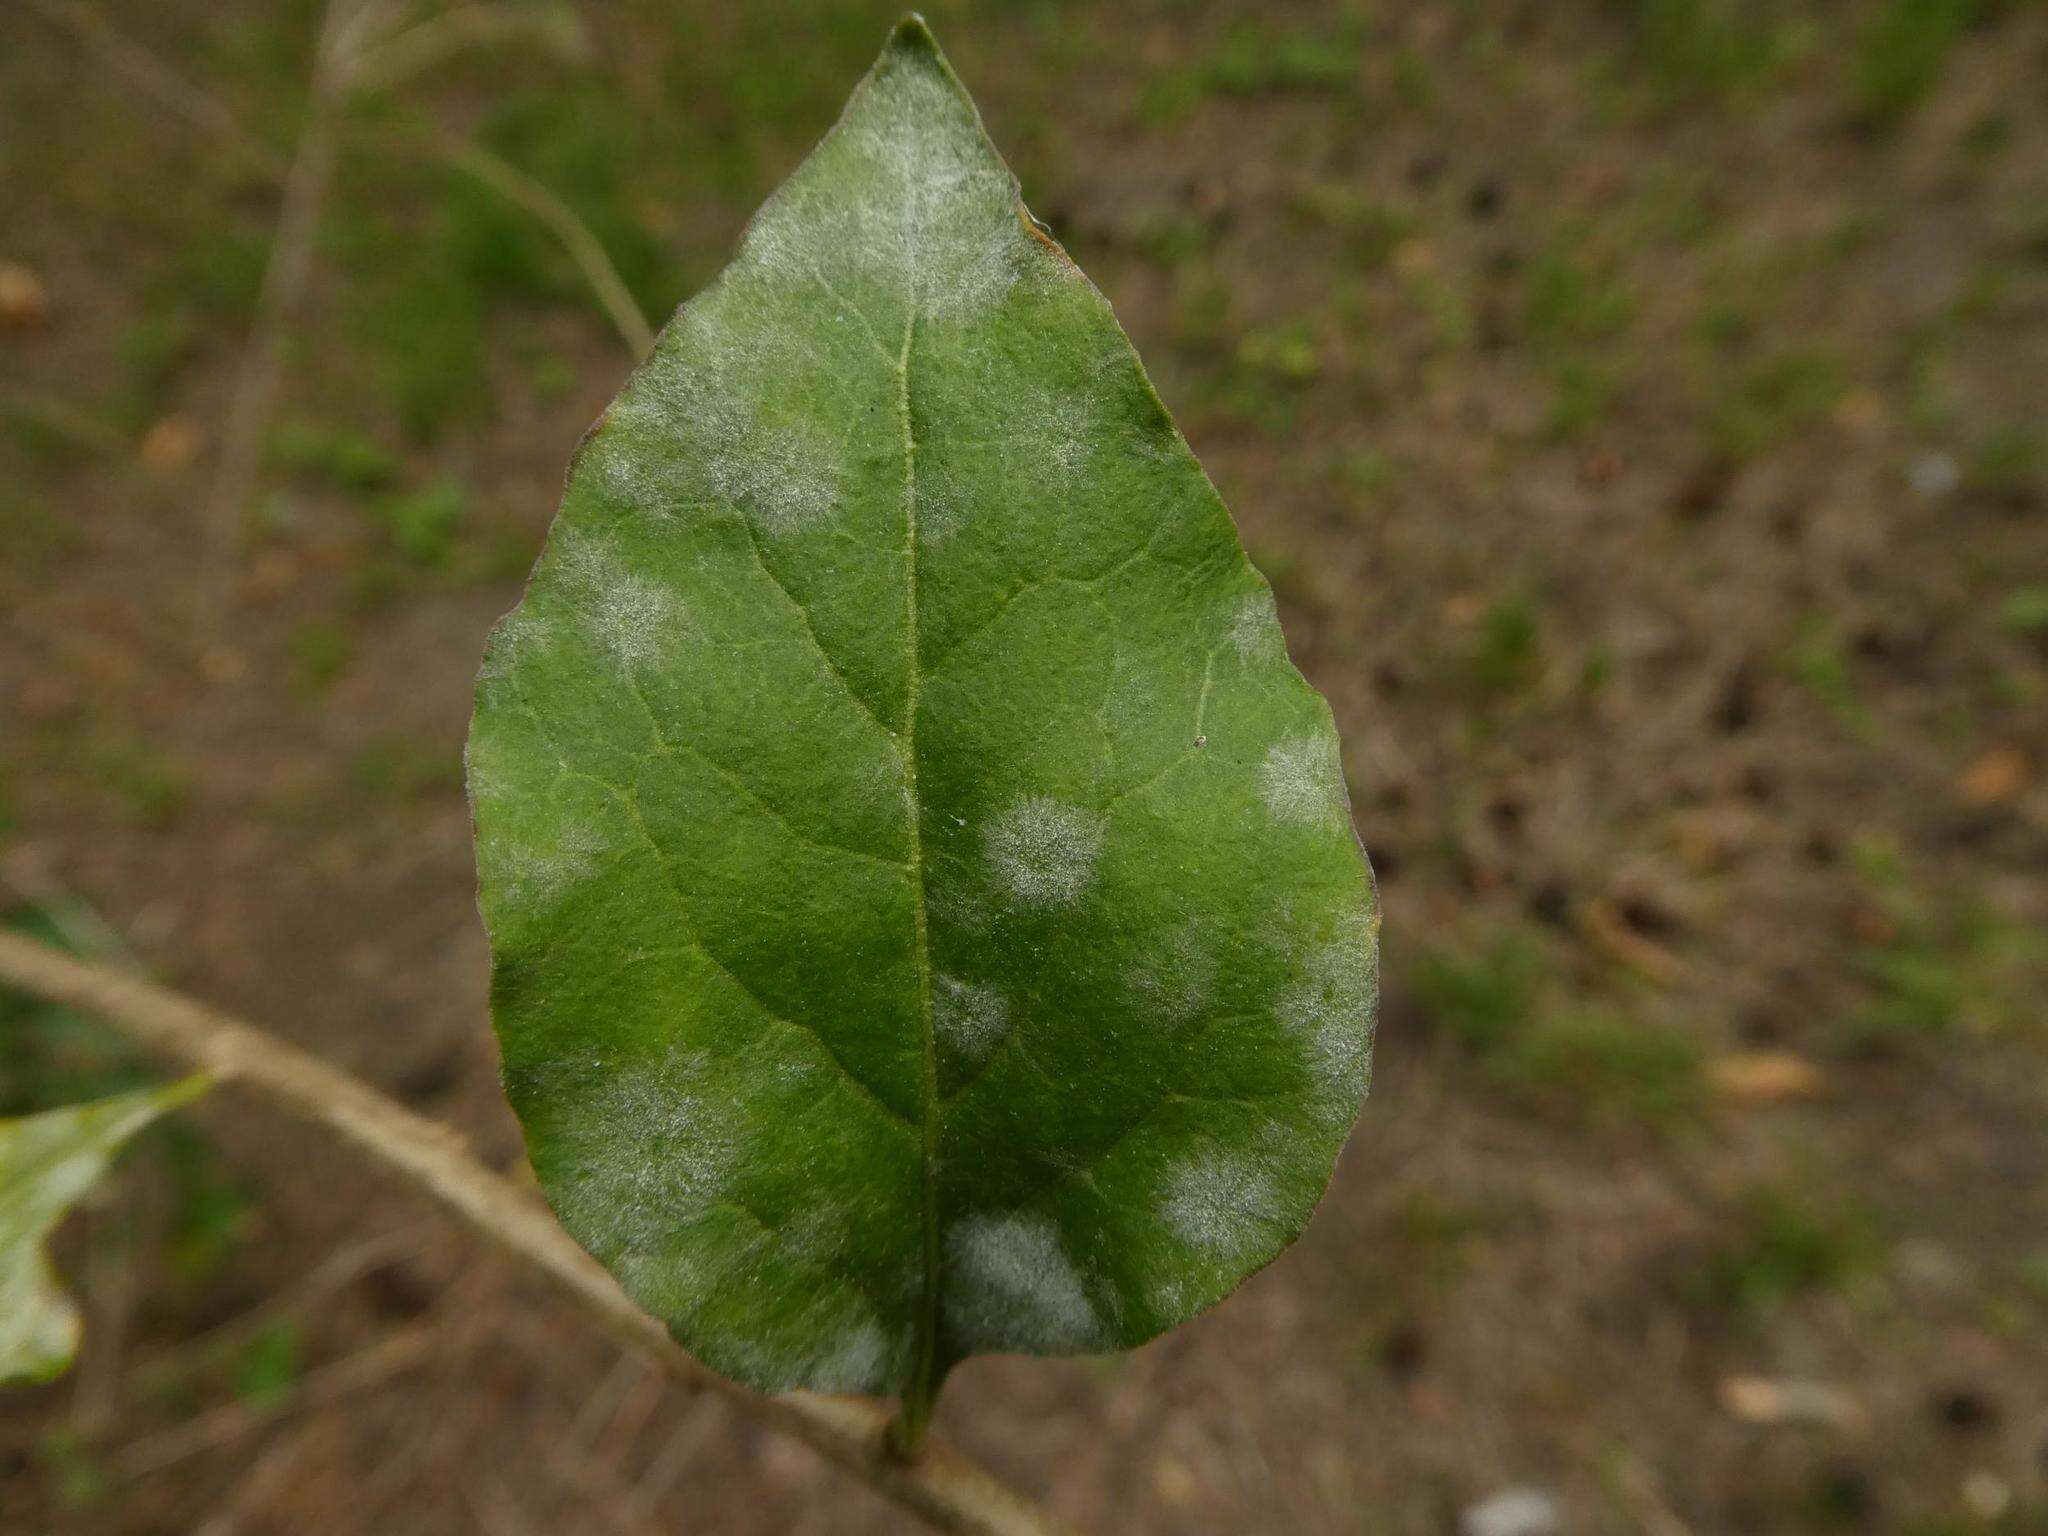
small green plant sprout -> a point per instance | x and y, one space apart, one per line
48 1162
925 910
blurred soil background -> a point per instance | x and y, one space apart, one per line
1642 410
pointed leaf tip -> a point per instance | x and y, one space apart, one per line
913 31
911 43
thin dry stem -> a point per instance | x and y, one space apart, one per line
942 1488
359 1372
343 62
515 186
394 60
284 285
66 421
165 86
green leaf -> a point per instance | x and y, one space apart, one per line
47 1164
925 909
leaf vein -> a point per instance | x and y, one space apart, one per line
811 629
631 803
674 747
667 866
926 1368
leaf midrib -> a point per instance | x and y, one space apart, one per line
924 1364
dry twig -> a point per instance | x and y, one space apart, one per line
398 58
515 186
346 60
944 1489
343 60
368 1368
65 421
269 1475
162 84
284 284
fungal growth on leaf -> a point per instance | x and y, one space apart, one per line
925 911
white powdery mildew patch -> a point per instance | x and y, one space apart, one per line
824 1233
970 1016
537 874
673 1283
1043 852
958 244
500 655
622 470
942 506
878 780
827 1339
970 259
646 408
683 390
1055 427
835 230
653 1145
857 1359
1302 780
1134 704
785 476
1170 1297
1255 631
813 238
786 479
489 769
1329 1007
637 620
960 904
517 637
507 758
1010 1285
671 414
1178 976
633 617
1223 1203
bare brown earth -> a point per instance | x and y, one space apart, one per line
1640 410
